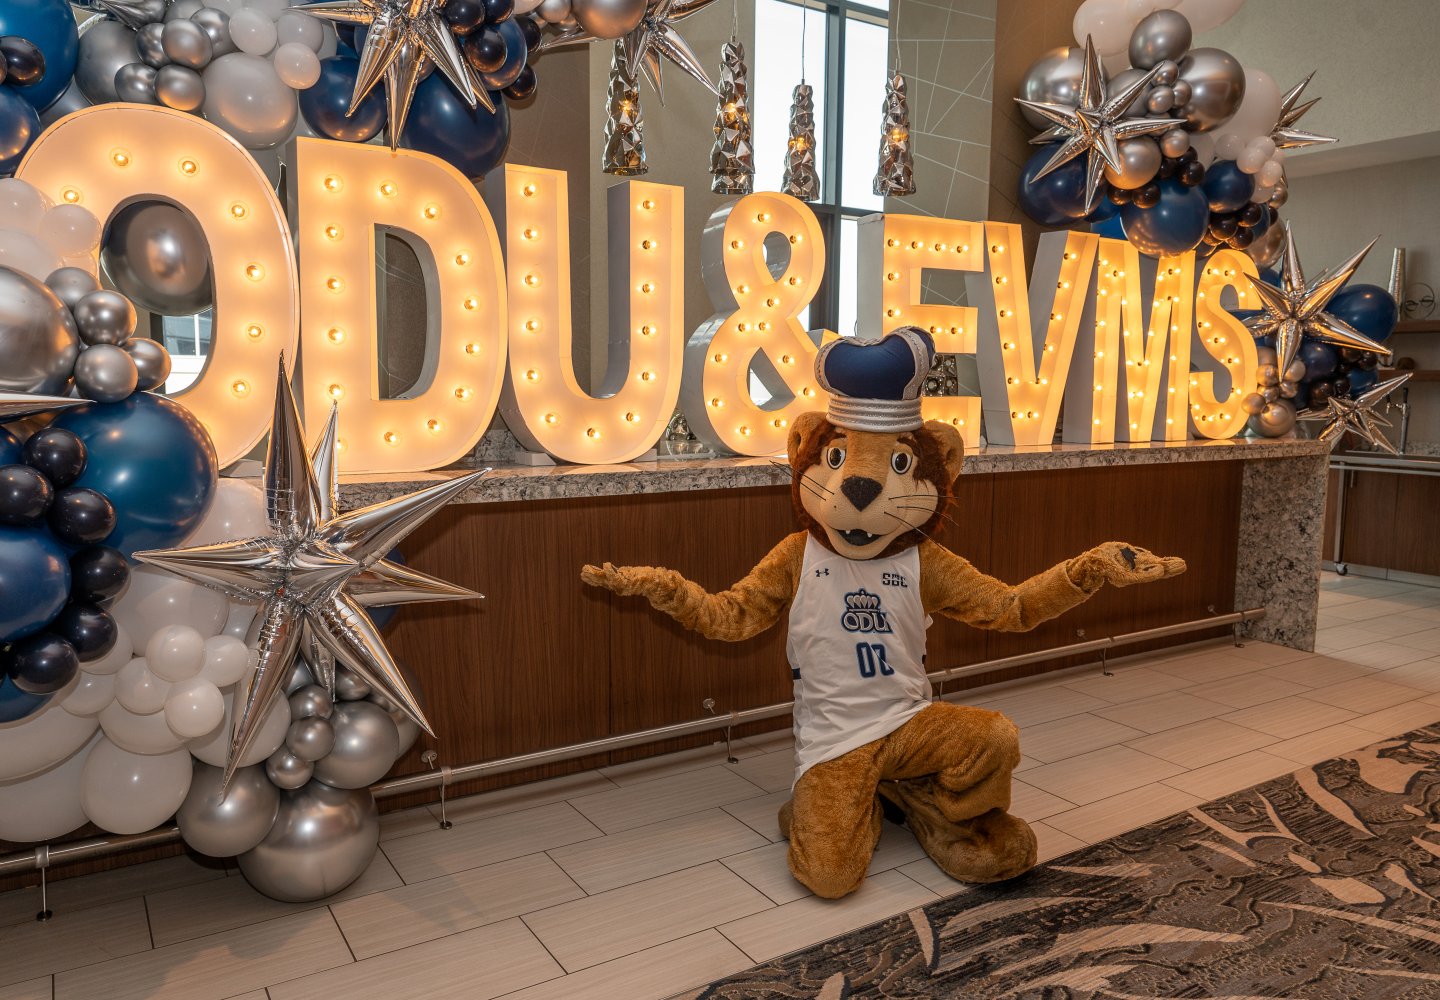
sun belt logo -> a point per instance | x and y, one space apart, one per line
863 614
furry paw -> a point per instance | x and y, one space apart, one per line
1121 565
614 578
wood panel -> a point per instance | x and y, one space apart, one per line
1415 540
1369 538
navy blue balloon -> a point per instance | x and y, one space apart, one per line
50 26
12 452
1175 223
1104 209
34 581
471 139
153 460
516 55
324 105
1360 380
1058 198
16 704
19 125
1270 276
1368 308
1227 188
1319 357
1301 399
1109 228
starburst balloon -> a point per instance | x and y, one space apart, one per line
1285 135
405 37
315 572
1357 416
14 405
1096 126
655 36
134 14
1296 310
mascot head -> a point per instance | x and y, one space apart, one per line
870 476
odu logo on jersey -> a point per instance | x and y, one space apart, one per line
863 614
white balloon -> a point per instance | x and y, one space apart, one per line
298 66
112 661
1206 14
303 29
252 32
45 805
42 740
156 598
175 653
328 47
271 9
237 624
70 229
138 733
1257 112
1106 22
1204 145
27 254
126 792
227 6
212 747
236 511
1228 145
22 205
194 708
92 693
525 6
1269 175
227 660
138 690
1251 160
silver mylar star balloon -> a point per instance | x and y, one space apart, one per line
1357 416
14 405
1096 126
405 37
653 37
134 14
1296 310
1285 135
311 571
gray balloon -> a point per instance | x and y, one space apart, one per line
1054 78
68 103
323 839
157 254
71 284
147 42
38 339
105 317
1295 373
310 739
105 373
299 676
150 10
1175 142
1165 34
1288 390
1167 73
311 702
182 9
1270 393
180 88
186 43
152 362
408 729
1268 374
349 687
223 825
288 771
1277 419
135 83
1140 159
216 25
1252 403
608 18
1182 93
1266 355
366 745
1217 86
246 97
1159 100
1124 79
104 49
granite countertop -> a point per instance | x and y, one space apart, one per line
511 482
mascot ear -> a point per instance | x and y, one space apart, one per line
802 432
951 444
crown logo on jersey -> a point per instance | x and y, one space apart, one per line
863 613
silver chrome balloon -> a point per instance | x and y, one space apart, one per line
366 746
323 839
654 39
105 317
180 88
135 83
1122 81
1159 100
71 284
104 49
180 9
1139 160
1217 86
1295 372
152 362
1164 34
223 822
105 373
38 339
216 25
310 739
1182 93
1252 403
1268 375
1276 420
1167 72
147 43
68 103
157 255
187 44
348 687
311 702
1175 142
608 18
134 13
288 771
1054 78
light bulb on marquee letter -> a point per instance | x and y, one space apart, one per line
550 411
345 192
1024 366
756 325
894 251
107 156
1227 344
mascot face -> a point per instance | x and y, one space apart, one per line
863 494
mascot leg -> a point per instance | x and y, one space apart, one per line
949 769
834 822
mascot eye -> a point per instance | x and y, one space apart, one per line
835 457
901 462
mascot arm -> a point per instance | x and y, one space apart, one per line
951 586
746 609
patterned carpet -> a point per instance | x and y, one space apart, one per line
1321 883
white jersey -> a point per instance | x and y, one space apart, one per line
856 651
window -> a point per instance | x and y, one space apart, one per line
187 338
846 57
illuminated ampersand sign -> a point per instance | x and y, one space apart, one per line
109 156
756 326
1229 348
543 403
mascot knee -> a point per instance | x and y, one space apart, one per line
827 874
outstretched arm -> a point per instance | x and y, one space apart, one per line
746 609
949 585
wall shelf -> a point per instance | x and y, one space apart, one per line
1416 374
1418 326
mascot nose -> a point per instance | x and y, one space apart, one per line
860 491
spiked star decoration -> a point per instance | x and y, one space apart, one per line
14 405
1285 135
1357 416
404 37
315 572
1296 310
134 14
1097 126
655 36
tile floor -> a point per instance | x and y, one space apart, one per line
648 879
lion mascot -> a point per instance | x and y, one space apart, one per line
871 481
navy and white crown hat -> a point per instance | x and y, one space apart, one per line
874 385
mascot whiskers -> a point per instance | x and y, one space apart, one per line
871 481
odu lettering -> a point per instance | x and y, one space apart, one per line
863 613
